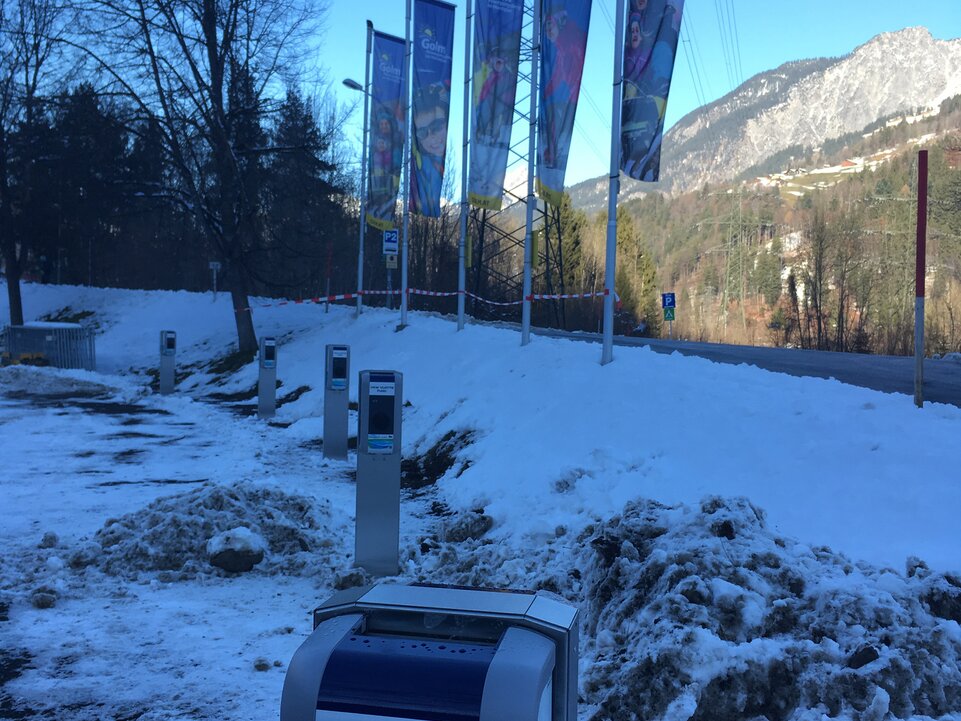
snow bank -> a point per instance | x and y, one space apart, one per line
25 381
706 613
175 537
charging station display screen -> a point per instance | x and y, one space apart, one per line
170 341
381 420
270 352
380 414
338 368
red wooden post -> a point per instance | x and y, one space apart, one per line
919 278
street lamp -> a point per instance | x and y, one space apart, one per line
354 85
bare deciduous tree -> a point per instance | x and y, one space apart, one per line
205 73
31 32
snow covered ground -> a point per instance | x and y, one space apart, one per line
742 544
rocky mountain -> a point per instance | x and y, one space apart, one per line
800 104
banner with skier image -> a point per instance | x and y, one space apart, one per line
564 27
430 111
497 47
650 46
388 91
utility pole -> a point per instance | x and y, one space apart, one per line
919 278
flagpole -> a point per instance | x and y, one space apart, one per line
610 263
464 206
363 176
531 158
406 195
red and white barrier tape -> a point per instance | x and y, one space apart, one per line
432 293
319 300
435 293
501 303
563 296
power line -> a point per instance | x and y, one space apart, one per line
724 50
605 120
725 7
732 23
690 66
607 16
730 43
587 139
689 23
686 37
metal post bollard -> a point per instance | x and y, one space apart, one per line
267 379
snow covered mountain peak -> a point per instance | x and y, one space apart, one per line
806 102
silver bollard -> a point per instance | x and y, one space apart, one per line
168 361
377 533
267 379
336 395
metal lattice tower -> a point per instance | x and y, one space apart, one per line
497 237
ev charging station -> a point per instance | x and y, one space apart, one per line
377 532
267 379
336 392
436 652
168 360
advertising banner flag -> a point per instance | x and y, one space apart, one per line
650 45
433 51
388 90
497 48
564 26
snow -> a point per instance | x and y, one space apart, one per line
236 539
741 543
48 325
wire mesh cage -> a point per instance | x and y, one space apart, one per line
61 345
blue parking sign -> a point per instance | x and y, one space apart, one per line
391 242
667 300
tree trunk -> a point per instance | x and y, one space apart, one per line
13 284
246 338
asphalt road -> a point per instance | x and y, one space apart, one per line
891 374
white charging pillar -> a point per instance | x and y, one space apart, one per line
378 472
168 361
267 379
336 397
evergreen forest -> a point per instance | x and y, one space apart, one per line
187 135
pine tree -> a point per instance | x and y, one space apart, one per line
89 169
637 275
307 221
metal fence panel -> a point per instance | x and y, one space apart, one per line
62 345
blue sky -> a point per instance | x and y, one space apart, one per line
768 33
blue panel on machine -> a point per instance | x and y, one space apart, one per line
406 677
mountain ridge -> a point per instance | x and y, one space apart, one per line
799 103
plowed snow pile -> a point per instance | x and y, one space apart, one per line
169 537
705 613
21 381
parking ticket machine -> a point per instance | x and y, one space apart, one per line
377 533
436 652
267 379
168 360
336 400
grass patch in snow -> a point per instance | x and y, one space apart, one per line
67 315
229 364
419 472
